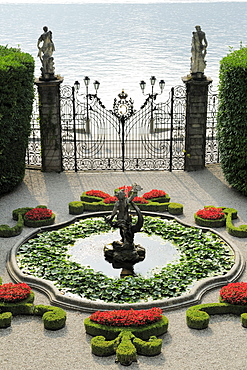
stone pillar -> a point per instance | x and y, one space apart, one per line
50 124
196 121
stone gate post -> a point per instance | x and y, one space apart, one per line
50 124
196 120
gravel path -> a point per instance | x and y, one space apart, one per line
26 345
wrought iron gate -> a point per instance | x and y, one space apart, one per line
211 150
94 138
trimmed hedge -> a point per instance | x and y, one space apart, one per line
7 231
232 118
16 99
92 204
111 332
197 317
126 342
19 216
231 214
54 318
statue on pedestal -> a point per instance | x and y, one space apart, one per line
199 50
45 55
125 254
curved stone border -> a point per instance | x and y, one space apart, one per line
58 299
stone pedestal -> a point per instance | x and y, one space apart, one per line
196 121
50 124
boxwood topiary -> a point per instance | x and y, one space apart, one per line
7 231
197 317
5 319
16 100
111 332
76 208
40 223
232 118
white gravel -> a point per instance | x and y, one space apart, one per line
27 345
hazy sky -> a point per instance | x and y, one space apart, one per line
112 1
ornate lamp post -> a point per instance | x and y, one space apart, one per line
96 86
152 96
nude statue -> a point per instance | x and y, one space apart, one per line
45 54
198 50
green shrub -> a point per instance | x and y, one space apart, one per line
150 348
76 207
24 307
153 206
54 318
232 118
7 231
16 99
89 198
209 223
240 231
5 319
111 332
101 347
175 208
197 317
40 223
126 351
244 319
20 211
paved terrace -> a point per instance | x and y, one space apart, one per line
27 345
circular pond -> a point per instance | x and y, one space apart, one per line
181 263
89 252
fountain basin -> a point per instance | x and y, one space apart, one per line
55 296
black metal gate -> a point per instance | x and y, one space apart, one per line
94 138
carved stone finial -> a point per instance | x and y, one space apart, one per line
46 48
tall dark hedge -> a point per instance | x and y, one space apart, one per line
232 118
16 97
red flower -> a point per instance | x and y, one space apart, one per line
14 292
154 194
127 317
234 293
210 213
97 193
38 214
110 200
140 200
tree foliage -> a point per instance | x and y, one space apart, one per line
16 98
232 118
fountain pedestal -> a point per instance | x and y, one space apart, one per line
121 256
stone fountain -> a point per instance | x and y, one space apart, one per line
125 254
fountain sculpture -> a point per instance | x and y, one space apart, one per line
125 254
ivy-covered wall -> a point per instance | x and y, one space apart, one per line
16 98
232 118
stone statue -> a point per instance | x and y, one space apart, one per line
45 54
198 50
125 254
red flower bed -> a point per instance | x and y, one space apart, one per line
154 194
140 200
36 214
127 317
97 193
210 213
234 293
110 200
14 292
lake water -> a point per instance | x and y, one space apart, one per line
121 44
